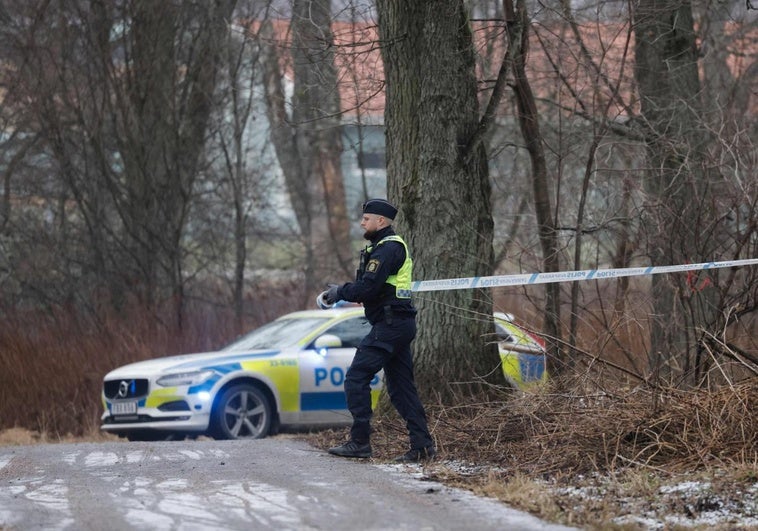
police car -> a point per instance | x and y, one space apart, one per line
288 373
522 353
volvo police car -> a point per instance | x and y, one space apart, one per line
288 373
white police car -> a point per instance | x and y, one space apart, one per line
522 353
287 373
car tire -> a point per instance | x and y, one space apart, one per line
241 412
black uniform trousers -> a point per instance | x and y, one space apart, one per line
388 347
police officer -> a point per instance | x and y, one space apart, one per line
383 285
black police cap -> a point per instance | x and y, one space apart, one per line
380 207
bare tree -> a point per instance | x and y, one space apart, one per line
589 58
128 169
235 183
122 94
517 26
308 139
667 74
588 107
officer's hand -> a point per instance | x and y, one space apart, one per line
331 294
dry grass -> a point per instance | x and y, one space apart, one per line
587 457
52 365
583 455
542 433
22 436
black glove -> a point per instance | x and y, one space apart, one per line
331 294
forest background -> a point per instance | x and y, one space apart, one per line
176 173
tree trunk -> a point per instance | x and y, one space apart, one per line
167 121
309 142
517 26
666 72
443 191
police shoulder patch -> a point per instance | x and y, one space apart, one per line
372 265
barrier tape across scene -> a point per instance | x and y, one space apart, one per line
567 276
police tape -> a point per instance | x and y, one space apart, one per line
567 276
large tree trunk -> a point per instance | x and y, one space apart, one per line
443 191
666 71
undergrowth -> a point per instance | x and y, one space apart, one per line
584 454
591 457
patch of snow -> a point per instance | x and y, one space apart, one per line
687 487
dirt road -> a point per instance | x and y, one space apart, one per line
275 483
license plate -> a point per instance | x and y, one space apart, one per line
124 408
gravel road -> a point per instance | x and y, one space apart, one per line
274 483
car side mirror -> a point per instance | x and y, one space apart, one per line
327 341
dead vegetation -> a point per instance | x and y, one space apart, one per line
599 459
589 454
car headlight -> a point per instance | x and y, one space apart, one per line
185 378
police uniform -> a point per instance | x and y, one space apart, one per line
383 286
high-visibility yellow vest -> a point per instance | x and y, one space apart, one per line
404 277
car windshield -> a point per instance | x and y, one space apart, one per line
503 334
277 334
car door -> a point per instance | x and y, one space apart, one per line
322 373
523 359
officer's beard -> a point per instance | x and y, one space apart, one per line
369 235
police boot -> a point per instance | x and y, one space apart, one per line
416 455
352 449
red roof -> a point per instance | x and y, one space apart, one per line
559 70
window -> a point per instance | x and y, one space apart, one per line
503 334
371 160
281 333
351 331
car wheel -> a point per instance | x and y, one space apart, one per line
241 412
